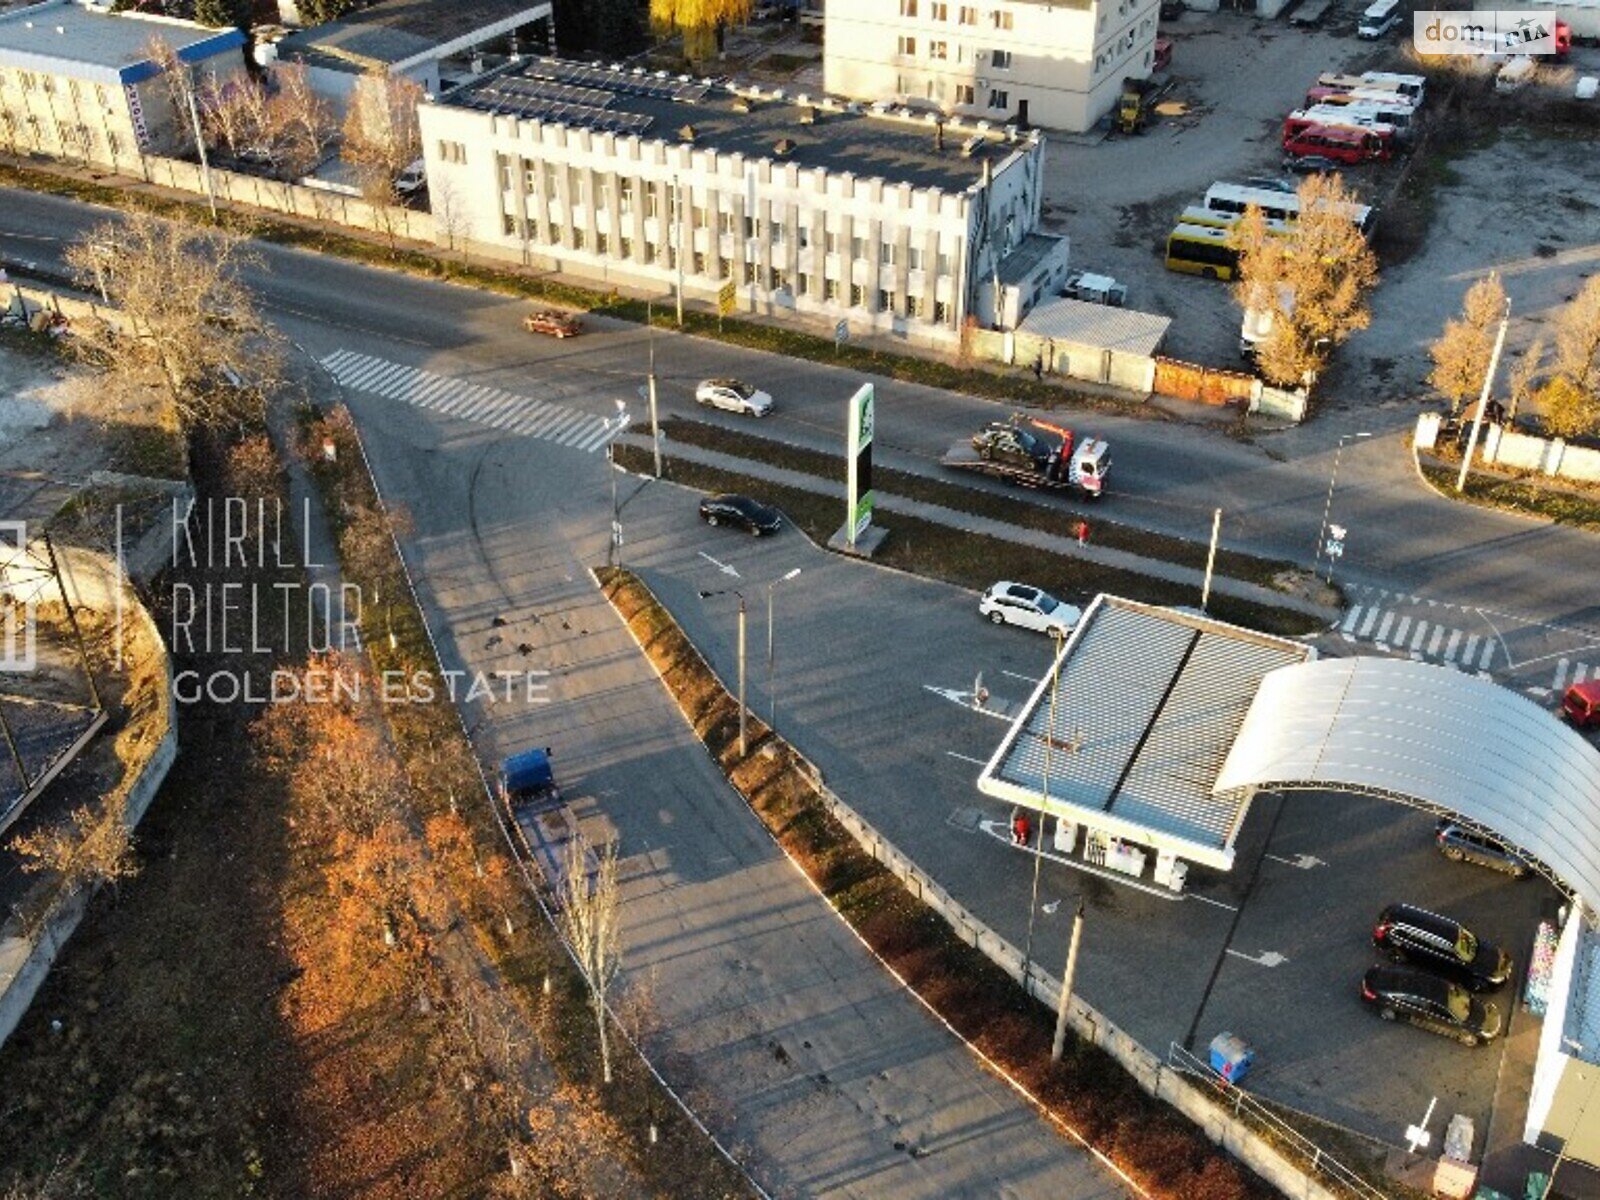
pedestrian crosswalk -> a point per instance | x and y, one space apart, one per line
490 406
1569 673
1427 640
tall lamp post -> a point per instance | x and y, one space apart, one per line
744 744
1327 505
1057 634
772 687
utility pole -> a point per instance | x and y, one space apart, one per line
677 233
655 427
1211 557
1056 637
200 145
772 682
1067 977
1483 397
744 743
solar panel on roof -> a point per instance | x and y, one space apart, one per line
495 97
657 87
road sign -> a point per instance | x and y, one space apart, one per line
727 298
841 332
1335 546
616 533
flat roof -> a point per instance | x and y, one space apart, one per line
65 38
844 138
1580 1031
1091 324
399 30
1148 703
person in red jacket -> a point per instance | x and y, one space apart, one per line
1020 829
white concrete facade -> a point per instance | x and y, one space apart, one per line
77 82
1060 66
815 242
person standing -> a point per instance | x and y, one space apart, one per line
1083 533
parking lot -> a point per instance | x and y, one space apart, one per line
871 671
1235 80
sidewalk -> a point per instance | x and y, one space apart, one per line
1051 543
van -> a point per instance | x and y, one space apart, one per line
412 179
1581 704
1514 74
1381 17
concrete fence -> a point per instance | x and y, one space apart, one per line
1121 369
28 949
1151 1072
1513 451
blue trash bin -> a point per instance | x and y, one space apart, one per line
1231 1057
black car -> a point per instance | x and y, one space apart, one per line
1425 939
1008 444
1431 1003
742 513
1312 164
1466 845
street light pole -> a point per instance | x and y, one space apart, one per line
772 685
1327 505
1056 636
1060 1041
744 743
655 426
677 234
1483 397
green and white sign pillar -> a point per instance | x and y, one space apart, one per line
858 492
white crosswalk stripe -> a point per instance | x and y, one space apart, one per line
1400 631
1466 651
1487 656
1383 628
1422 632
1348 625
1366 626
1433 642
1449 654
481 404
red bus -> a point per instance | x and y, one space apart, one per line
1338 142
1298 122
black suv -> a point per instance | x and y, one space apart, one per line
1425 939
1465 845
1431 1003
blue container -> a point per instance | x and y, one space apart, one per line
1231 1057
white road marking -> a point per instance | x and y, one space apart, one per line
1209 900
1025 678
1487 656
1450 646
1433 642
1351 617
1366 626
1561 674
977 762
1304 861
1270 958
1468 648
1383 627
1417 638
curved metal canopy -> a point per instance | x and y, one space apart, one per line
1433 737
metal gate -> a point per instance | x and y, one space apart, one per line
1205 385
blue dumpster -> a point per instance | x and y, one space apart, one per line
1231 1057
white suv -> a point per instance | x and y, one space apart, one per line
1018 604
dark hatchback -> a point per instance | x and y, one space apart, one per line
1431 1003
1425 939
742 513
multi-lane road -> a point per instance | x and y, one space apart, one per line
493 439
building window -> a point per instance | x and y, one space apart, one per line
802 284
916 307
749 272
939 50
858 247
886 254
627 197
505 173
914 258
944 264
508 225
803 236
601 243
578 239
452 152
1001 19
652 203
725 224
830 290
908 47
941 312
697 217
830 241
1000 60
858 296
724 268
887 301
649 252
967 16
963 93
908 8
625 247
775 232
940 10
1000 100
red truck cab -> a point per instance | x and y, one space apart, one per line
1581 705
1563 38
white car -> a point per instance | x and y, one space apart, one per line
1018 604
733 396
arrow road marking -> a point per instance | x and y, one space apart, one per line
1304 861
1269 959
721 566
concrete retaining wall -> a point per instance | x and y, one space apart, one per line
26 956
1151 1073
1133 373
1501 447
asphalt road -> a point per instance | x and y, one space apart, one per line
1167 476
504 525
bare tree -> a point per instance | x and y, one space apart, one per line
381 135
305 121
87 849
1524 373
1323 263
190 323
1462 352
590 921
182 90
450 217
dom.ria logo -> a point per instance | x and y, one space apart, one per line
1485 31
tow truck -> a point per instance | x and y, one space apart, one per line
543 820
1035 453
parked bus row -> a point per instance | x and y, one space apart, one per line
1201 242
1352 119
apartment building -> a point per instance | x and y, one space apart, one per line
1058 65
891 221
77 81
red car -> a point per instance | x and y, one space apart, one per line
1581 704
556 324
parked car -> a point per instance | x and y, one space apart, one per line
1271 183
1007 603
1431 1003
1581 705
1410 934
1311 164
742 513
1467 845
556 324
412 180
733 396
